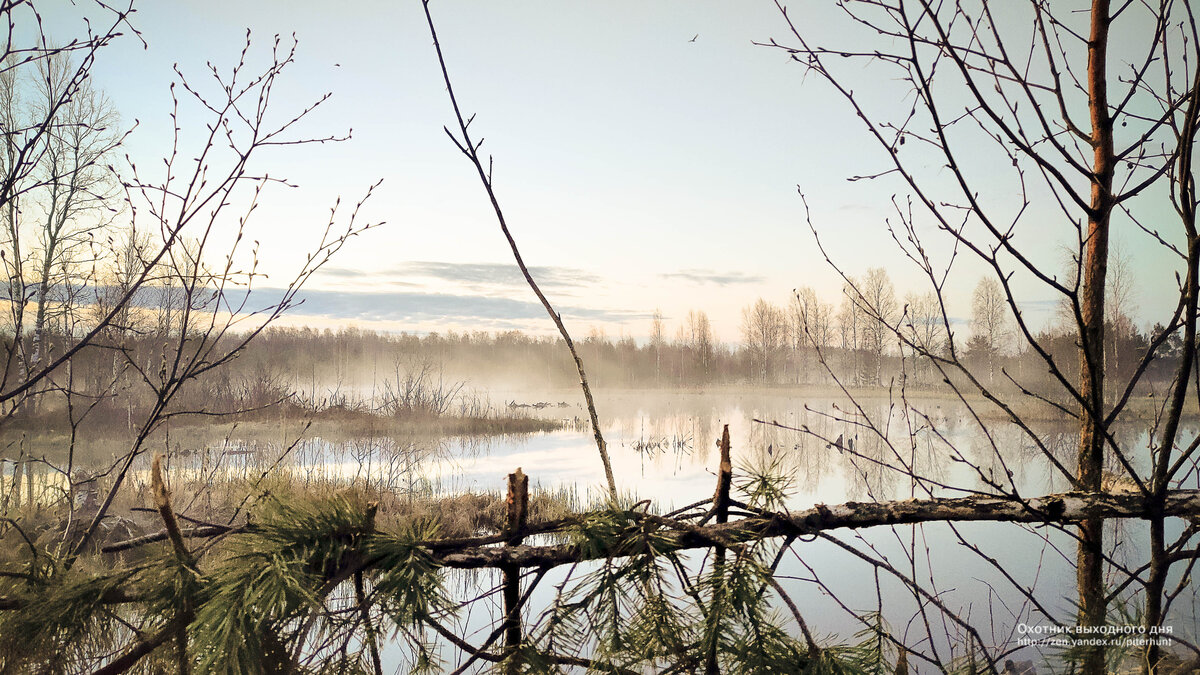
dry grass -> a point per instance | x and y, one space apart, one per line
46 524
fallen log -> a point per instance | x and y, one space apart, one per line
1063 508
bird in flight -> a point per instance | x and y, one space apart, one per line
694 38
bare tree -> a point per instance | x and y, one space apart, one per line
875 299
55 167
922 319
812 325
1019 107
764 328
640 607
1119 305
990 332
657 341
851 327
700 341
78 189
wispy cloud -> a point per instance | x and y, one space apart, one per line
1039 306
401 306
717 278
476 276
500 274
359 276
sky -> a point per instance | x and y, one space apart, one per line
648 156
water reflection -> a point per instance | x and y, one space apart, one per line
663 448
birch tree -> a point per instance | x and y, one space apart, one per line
78 195
990 331
764 327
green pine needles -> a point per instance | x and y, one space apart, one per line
314 585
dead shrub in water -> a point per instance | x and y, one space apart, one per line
418 390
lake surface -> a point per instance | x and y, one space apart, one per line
663 448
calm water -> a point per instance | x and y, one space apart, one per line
663 447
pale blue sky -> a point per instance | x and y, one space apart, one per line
640 169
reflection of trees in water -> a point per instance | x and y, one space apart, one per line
890 450
678 438
825 440
707 433
995 456
814 445
1135 442
401 465
397 464
1190 478
868 476
1005 455
793 451
885 451
810 461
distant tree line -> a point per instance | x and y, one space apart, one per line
797 343
805 340
801 342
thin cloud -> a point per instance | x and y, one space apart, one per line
342 272
717 278
425 307
1039 306
499 274
471 275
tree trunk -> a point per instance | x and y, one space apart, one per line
1090 558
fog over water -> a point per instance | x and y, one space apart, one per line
663 448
